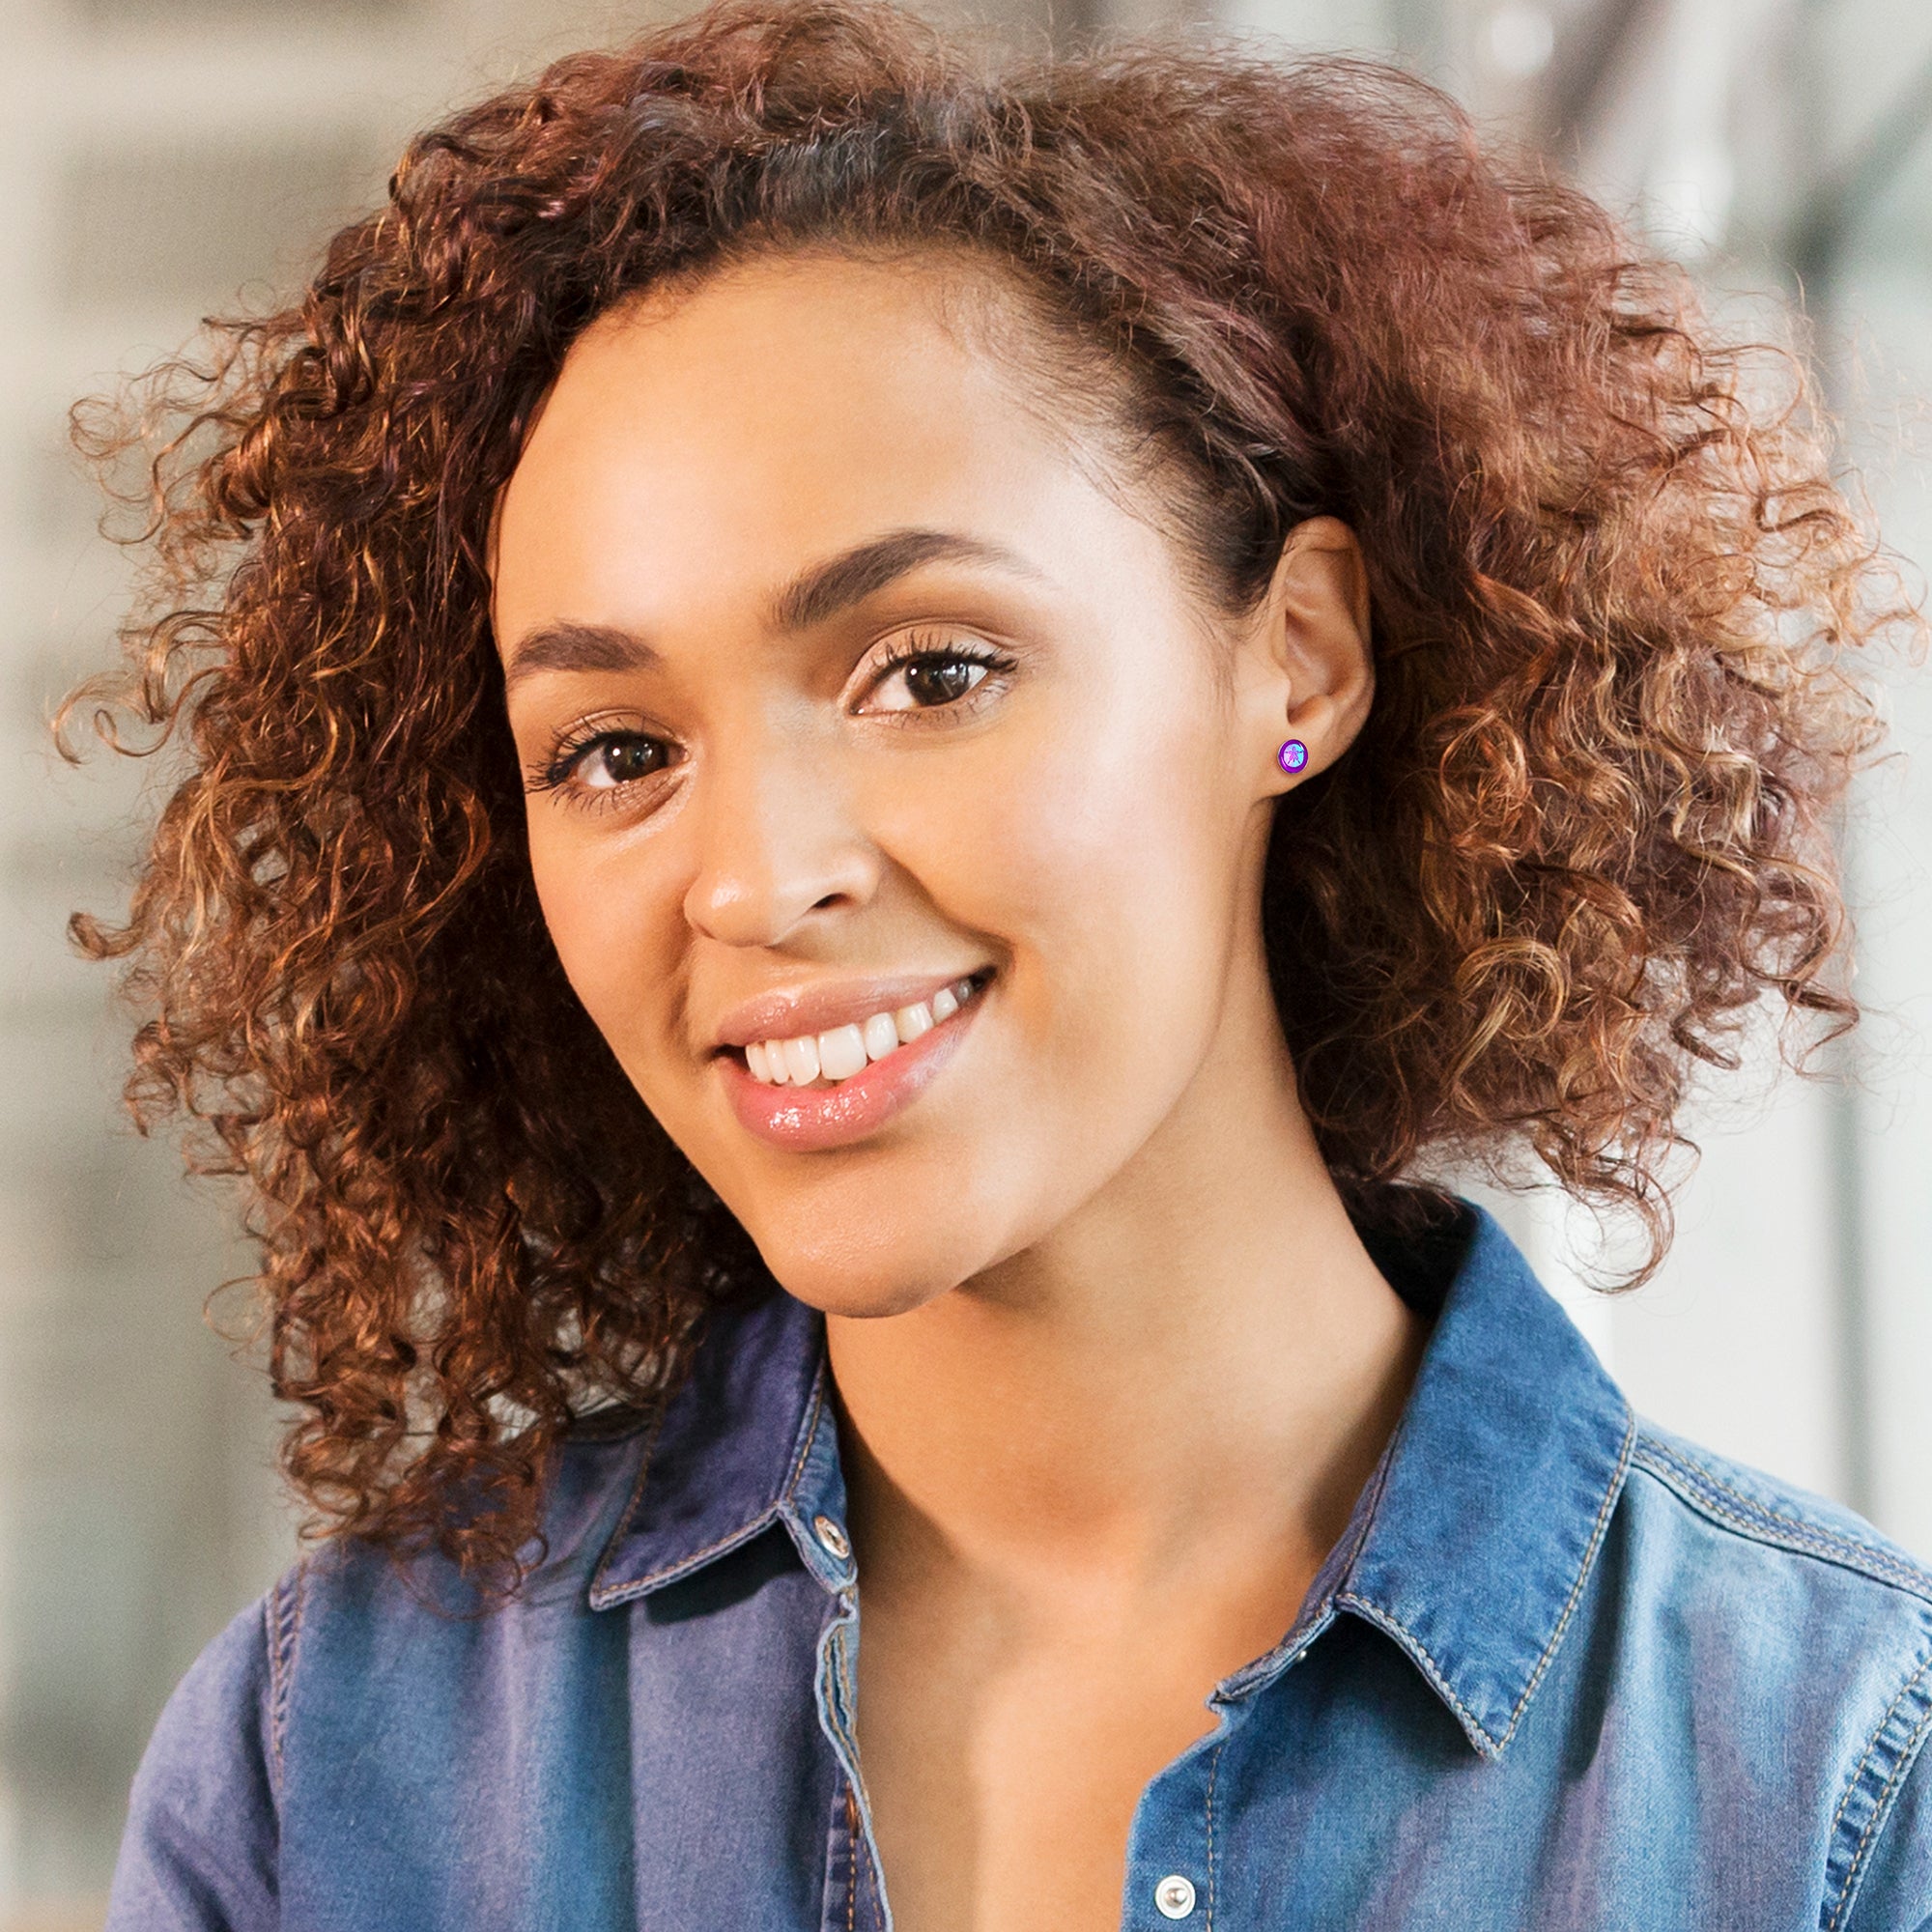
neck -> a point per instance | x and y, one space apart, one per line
1203 1355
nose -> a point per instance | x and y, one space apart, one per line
778 844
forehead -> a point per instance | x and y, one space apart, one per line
767 415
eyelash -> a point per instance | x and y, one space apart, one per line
931 648
558 771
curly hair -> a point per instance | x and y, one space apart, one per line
1583 833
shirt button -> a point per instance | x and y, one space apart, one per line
1173 1896
831 1537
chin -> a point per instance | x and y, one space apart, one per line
883 1272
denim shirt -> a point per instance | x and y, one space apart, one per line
1562 1671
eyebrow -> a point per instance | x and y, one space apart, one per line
815 596
578 647
825 589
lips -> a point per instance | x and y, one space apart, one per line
806 1119
822 1009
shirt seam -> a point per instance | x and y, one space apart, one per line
1902 1762
851 1857
282 1616
806 1437
1708 1493
631 1502
1214 1773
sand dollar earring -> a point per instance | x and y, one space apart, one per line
1292 755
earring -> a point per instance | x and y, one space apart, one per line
1292 755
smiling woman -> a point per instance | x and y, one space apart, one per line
878 758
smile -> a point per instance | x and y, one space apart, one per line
797 1094
830 1059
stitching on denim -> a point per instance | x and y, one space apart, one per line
1703 1489
807 1435
1213 1772
851 1857
1859 1769
631 1503
1367 1522
1907 1757
1434 1671
1393 1626
282 1617
690 1561
1584 1569
1907 1753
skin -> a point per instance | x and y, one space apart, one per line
1112 1364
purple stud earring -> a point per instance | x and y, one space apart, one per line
1292 755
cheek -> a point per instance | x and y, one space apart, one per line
607 915
1098 857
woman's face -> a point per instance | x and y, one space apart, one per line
855 714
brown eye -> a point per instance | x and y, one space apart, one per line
928 680
941 680
620 761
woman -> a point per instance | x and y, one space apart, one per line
890 756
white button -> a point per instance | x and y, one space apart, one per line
833 1538
1173 1896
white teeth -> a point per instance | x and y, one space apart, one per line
842 1052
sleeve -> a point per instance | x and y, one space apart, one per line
1890 1887
199 1853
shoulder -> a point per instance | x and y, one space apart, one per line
199 1850
346 1632
1770 1567
424 1598
1731 1501
1794 1614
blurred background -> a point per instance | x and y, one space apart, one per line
161 156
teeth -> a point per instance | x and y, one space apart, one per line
843 1051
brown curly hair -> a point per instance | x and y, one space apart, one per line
1582 833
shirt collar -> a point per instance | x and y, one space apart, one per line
747 1441
1469 1548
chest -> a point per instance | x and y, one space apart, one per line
685 1764
1003 1767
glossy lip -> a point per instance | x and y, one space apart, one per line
804 1120
820 1009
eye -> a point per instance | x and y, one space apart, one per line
619 758
922 676
595 766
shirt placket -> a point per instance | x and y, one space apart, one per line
854 1894
814 1511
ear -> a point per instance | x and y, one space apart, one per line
1311 671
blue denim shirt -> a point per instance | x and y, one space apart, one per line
1561 1672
